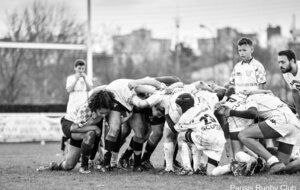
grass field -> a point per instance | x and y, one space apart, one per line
18 163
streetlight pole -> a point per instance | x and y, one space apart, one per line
89 43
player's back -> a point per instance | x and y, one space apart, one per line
121 91
206 97
268 105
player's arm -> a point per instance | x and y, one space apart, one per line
258 91
200 85
146 81
70 84
144 89
296 98
88 83
228 93
149 102
250 113
75 128
170 88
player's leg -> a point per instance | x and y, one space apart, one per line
73 156
169 146
64 141
196 154
138 126
111 139
226 129
185 152
151 144
261 130
293 166
124 159
87 146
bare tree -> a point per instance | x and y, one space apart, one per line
25 71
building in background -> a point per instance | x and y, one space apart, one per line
273 32
222 49
139 45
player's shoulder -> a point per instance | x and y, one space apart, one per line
256 62
71 76
238 64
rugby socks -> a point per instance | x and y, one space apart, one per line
110 146
107 158
175 151
114 158
95 148
169 152
150 147
220 170
86 151
185 155
129 151
137 150
196 157
242 157
272 160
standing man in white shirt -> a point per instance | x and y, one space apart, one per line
77 86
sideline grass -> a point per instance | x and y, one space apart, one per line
18 163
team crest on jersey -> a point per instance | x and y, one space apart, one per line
273 121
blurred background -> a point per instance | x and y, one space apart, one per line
195 40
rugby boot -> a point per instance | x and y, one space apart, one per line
276 168
251 165
201 170
147 165
52 166
185 171
137 168
166 172
124 163
261 165
84 170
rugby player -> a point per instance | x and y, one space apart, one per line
279 123
82 128
122 89
198 126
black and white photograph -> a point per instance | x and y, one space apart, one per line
161 94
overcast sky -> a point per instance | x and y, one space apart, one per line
159 15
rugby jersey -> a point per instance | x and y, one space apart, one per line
293 81
247 76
